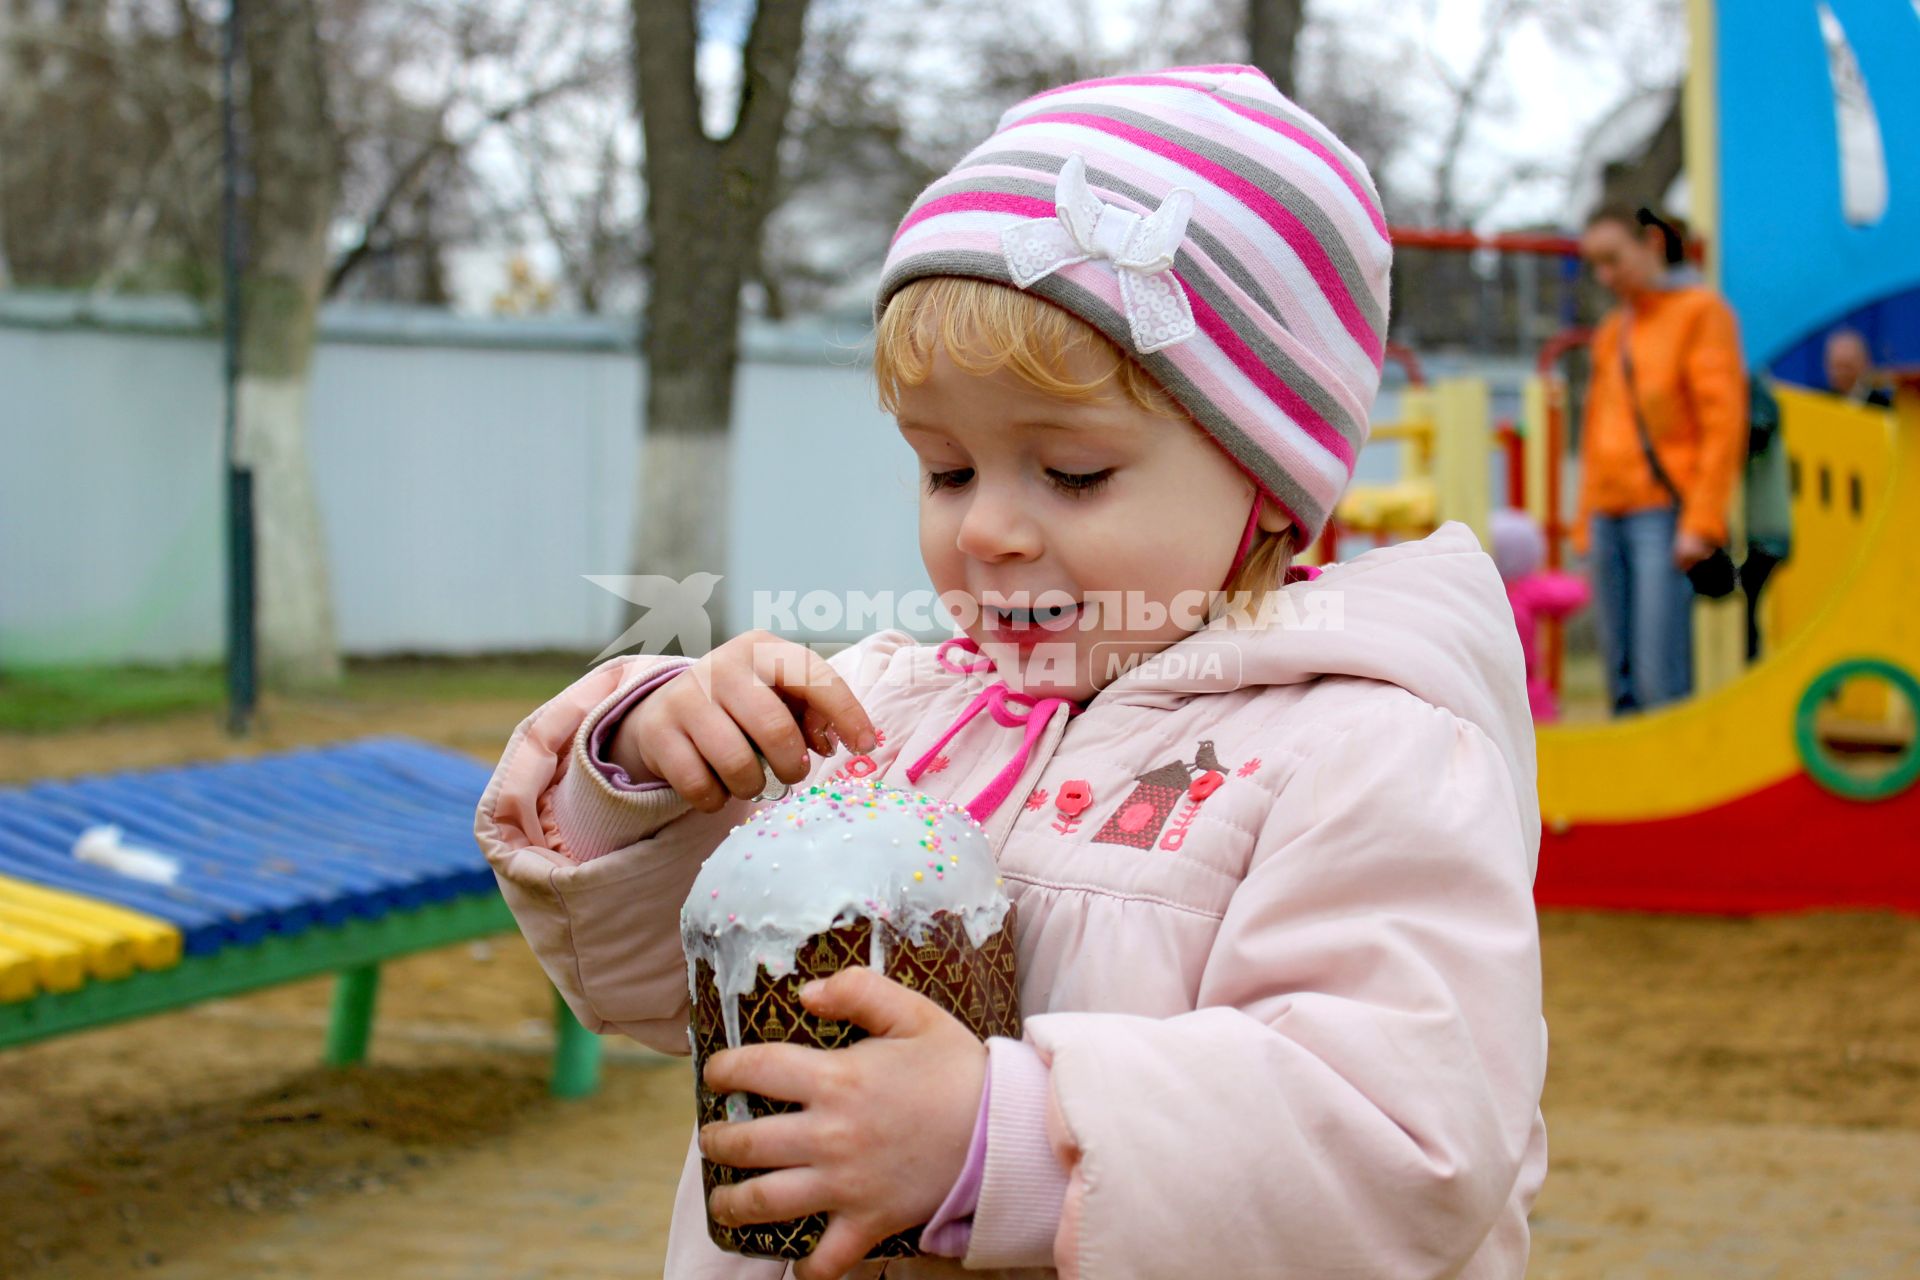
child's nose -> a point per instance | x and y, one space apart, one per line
997 527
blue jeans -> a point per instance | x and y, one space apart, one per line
1645 608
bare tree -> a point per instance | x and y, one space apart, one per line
109 154
297 168
1467 93
593 226
707 200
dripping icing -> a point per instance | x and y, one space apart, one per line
874 871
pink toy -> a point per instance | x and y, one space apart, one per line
1519 549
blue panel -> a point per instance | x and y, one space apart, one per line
1892 331
1791 265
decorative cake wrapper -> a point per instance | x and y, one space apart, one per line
852 873
976 985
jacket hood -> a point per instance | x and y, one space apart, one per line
1431 617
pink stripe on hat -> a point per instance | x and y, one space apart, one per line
1340 167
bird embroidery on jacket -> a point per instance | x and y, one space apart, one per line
1177 786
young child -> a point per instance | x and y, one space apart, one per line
1278 955
1536 594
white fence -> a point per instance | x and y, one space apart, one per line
470 472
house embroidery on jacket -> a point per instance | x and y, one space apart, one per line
1175 791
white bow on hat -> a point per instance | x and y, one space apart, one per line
1140 248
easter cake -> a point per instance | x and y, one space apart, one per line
834 875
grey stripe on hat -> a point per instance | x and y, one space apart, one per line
1299 203
1095 311
1309 387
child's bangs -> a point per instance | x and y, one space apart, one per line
984 327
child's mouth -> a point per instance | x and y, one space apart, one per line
1027 626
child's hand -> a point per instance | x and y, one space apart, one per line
697 732
886 1125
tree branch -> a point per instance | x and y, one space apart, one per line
665 87
767 70
442 146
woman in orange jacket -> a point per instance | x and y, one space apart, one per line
1666 362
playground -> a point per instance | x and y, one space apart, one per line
1726 1097
311 1044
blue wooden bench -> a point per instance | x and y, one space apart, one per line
292 865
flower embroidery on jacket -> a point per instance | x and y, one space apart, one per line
1072 800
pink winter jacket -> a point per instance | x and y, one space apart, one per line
1287 1021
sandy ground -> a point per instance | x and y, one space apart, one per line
1727 1099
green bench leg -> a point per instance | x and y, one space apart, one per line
352 1023
576 1054
576 1050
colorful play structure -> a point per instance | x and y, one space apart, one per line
1790 783
1748 798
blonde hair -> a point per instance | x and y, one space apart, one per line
984 327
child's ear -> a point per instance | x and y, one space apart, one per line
1273 519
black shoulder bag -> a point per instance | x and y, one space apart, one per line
1713 577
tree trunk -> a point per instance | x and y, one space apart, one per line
707 201
1273 35
296 170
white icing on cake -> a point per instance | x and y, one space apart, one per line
828 855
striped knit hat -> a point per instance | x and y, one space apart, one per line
1218 234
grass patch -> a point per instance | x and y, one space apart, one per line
53 699
47 699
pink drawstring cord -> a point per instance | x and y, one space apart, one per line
968 644
995 698
1035 715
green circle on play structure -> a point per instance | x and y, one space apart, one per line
1823 771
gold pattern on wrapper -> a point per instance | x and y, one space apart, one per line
976 985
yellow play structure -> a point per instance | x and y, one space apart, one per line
1636 808
1444 437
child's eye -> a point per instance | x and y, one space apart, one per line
1083 483
938 480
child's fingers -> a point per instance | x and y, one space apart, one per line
726 750
680 766
787 1072
768 720
771 1142
844 1243
802 673
814 726
779 1196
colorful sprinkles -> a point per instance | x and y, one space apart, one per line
856 799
